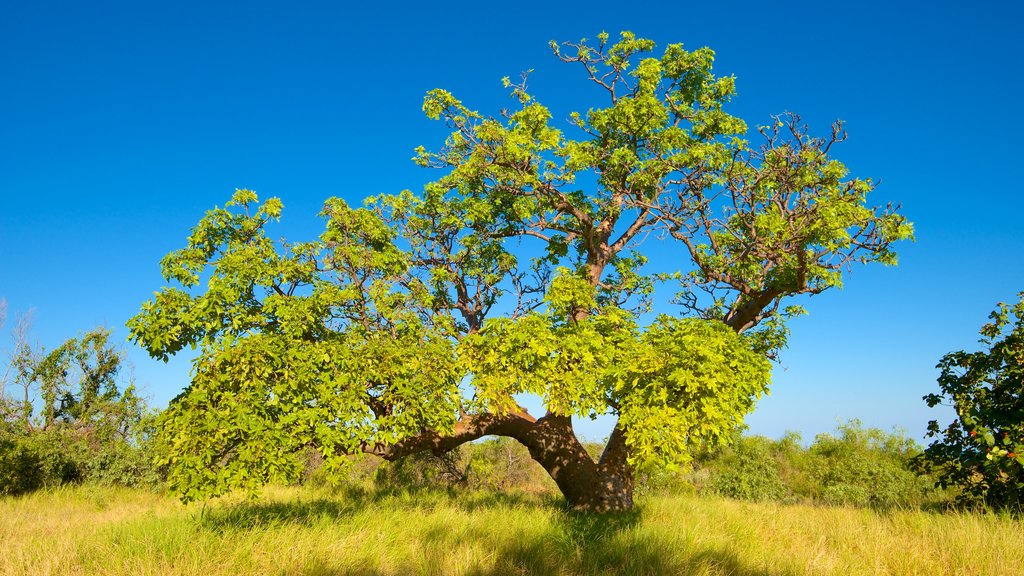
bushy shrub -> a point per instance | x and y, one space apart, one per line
864 467
47 458
856 466
666 482
20 469
749 470
422 470
62 457
504 464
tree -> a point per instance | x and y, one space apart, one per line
415 321
15 412
982 451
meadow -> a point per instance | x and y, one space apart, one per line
309 531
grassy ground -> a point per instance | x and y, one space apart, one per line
302 532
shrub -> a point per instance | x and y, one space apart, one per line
749 470
504 464
422 470
20 469
864 467
857 466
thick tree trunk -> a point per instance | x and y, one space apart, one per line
586 485
603 486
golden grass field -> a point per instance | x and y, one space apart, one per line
301 531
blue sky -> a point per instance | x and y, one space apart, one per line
121 123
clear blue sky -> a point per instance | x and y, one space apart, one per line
121 123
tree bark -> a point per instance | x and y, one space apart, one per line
603 486
586 485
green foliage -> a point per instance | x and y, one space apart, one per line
288 358
88 429
383 333
423 470
856 466
689 386
750 471
503 464
865 467
678 385
981 453
21 470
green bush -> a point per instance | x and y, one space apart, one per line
422 470
20 469
505 464
865 467
856 466
62 457
665 482
48 458
749 470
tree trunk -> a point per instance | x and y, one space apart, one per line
598 487
603 486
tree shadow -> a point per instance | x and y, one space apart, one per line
248 515
613 543
570 542
346 501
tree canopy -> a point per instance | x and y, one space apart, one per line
415 321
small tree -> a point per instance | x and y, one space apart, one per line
15 411
982 452
413 323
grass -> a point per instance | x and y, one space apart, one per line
104 531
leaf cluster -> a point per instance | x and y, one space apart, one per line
982 452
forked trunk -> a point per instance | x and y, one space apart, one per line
603 486
598 492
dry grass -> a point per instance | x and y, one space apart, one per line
303 532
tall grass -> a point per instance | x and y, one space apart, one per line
299 531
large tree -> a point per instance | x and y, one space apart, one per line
415 322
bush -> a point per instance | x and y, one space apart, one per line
62 457
749 470
505 464
666 482
857 466
87 428
864 467
422 470
20 469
